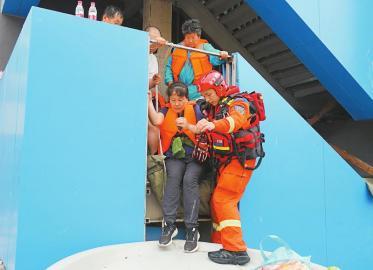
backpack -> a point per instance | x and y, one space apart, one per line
245 143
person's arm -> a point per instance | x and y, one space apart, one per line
168 76
183 123
156 118
239 112
193 128
215 60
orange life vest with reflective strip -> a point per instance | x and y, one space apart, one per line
168 129
200 61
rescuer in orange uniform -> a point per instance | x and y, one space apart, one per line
226 121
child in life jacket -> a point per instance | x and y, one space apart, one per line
177 128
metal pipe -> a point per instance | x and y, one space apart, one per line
173 45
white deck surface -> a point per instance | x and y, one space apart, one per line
148 255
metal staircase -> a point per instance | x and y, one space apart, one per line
234 26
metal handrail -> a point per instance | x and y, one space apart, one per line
173 45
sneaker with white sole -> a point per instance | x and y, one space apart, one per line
191 240
169 231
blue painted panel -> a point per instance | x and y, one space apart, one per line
347 34
286 194
81 174
12 93
18 7
309 12
340 73
349 209
304 191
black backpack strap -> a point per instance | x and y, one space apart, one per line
256 166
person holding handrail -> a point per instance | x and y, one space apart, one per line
189 66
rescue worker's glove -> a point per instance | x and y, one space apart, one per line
201 150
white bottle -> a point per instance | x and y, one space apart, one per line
79 10
92 12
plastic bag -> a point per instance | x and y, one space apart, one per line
282 258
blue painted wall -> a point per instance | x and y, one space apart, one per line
332 38
12 94
18 7
73 142
346 33
304 191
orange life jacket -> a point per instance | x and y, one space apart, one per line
200 62
168 129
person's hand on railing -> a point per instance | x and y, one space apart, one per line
156 79
160 41
224 55
157 43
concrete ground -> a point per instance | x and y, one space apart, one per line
147 255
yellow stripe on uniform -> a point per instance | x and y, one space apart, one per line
230 223
221 147
215 226
226 223
231 124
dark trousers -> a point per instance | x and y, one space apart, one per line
182 173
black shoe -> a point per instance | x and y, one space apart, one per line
168 232
191 240
229 257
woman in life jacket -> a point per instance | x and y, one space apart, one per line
177 129
227 118
188 67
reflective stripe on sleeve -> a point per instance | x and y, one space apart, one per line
231 124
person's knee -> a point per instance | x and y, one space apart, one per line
220 197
